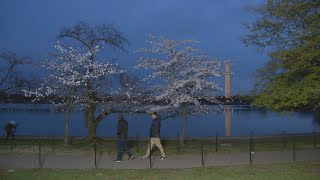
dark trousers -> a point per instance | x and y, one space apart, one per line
122 147
10 133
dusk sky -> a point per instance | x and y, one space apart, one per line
29 27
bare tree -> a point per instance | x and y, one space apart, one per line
11 79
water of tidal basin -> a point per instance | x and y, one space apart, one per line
37 120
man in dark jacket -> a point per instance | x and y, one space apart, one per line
10 129
122 134
155 137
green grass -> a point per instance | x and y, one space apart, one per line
190 147
297 170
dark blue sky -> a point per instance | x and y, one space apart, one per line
29 27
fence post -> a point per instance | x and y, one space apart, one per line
11 145
202 162
314 139
52 143
178 148
70 140
250 147
32 145
40 161
137 142
283 139
294 149
216 141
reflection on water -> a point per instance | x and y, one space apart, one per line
38 120
227 119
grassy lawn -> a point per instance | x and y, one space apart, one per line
171 147
297 170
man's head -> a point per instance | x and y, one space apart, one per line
12 122
154 115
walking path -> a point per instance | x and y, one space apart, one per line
84 161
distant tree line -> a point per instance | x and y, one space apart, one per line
21 98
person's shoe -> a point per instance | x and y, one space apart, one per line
130 158
117 161
143 157
163 158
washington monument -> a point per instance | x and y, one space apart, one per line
227 80
227 109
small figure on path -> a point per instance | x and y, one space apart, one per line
10 129
122 134
155 137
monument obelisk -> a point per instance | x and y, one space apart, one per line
227 80
227 109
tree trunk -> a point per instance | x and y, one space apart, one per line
90 109
70 103
184 113
316 115
90 122
66 131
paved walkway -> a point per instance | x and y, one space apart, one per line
85 161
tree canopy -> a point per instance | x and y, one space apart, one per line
291 78
182 72
184 76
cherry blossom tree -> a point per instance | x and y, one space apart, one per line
87 37
183 76
69 71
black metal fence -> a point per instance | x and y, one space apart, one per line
285 142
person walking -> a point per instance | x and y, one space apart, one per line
10 129
155 137
122 134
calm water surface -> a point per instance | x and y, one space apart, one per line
37 120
